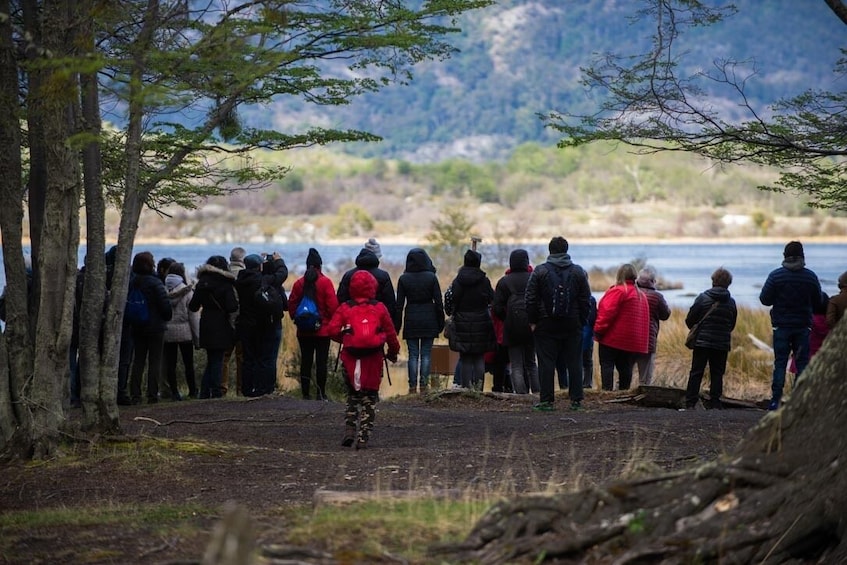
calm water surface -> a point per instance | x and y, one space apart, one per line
691 265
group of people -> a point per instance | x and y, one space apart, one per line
535 324
801 315
223 313
549 314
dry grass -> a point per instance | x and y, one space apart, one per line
748 373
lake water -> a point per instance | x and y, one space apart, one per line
691 265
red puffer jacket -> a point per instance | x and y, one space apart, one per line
623 319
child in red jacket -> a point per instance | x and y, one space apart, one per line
363 326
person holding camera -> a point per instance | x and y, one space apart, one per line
259 285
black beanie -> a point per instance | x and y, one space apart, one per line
472 258
313 259
793 249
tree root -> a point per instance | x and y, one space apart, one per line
718 512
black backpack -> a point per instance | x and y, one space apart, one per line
560 292
272 298
516 328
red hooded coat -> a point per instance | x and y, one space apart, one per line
363 372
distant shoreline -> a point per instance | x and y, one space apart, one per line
405 240
411 241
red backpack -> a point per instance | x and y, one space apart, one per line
363 333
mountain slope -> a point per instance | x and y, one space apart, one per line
521 58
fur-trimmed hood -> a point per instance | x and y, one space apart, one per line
211 269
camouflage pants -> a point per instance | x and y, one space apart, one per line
361 409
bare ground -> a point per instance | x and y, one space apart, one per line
276 452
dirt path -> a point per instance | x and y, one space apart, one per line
277 451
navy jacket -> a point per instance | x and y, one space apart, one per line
793 292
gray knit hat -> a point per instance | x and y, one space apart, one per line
374 247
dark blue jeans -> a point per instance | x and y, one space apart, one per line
785 342
555 351
420 361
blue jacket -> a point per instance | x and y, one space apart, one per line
792 291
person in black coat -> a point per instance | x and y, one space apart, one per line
215 295
716 313
468 300
419 298
509 306
148 337
256 324
368 260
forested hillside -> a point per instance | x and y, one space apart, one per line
519 58
596 191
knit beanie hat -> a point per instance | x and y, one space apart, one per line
313 259
472 258
374 247
252 261
793 249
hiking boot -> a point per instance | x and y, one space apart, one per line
361 444
349 436
576 406
544 407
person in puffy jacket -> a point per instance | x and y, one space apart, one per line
467 300
509 305
148 337
182 332
215 295
622 328
716 313
362 354
793 292
419 299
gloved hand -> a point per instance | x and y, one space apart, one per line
391 357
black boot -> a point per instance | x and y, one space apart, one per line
349 436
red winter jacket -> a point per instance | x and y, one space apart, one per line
363 372
324 297
623 319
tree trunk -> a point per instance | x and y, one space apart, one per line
15 343
97 347
59 236
779 498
